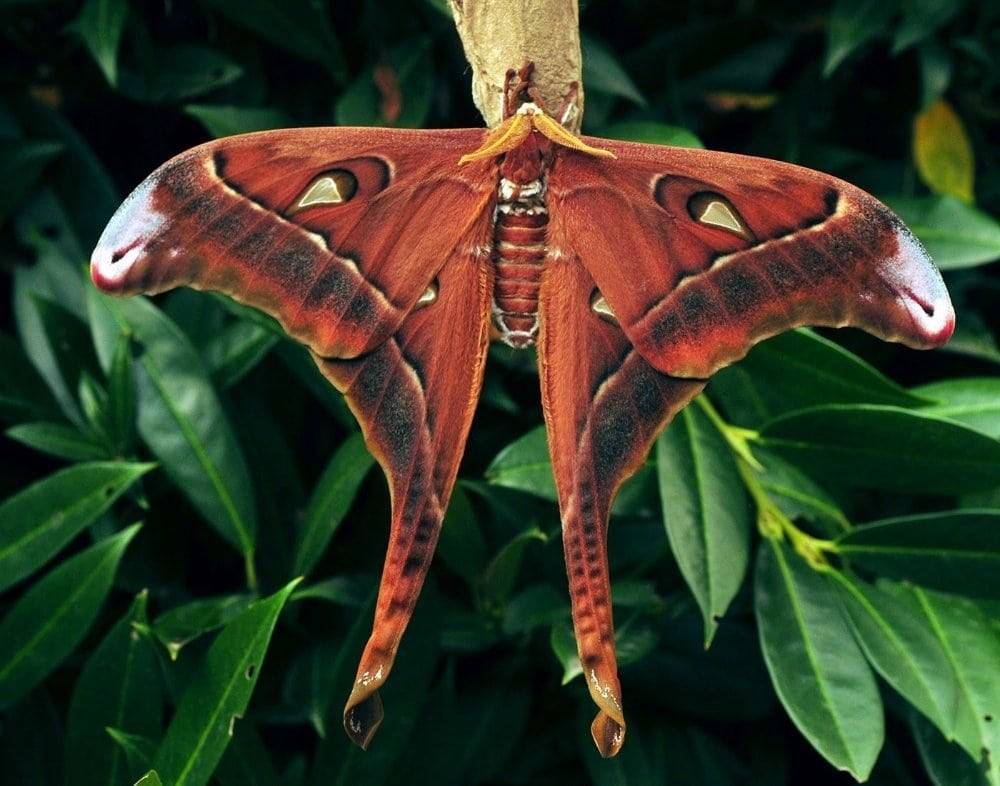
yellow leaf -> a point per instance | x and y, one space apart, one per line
942 151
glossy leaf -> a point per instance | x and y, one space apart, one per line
943 153
332 498
302 28
955 234
236 351
706 511
500 575
602 72
946 763
23 395
59 440
149 779
818 671
137 750
801 369
225 120
524 465
39 521
177 72
180 417
219 694
797 495
119 688
652 133
101 24
853 23
886 447
902 648
461 545
973 650
181 625
921 19
51 618
956 551
21 165
974 401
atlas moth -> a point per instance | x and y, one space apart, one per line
637 271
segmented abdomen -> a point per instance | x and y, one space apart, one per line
518 253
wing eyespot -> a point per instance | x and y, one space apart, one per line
600 307
429 296
715 210
335 187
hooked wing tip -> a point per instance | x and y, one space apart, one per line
123 244
927 317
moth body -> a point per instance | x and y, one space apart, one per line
519 249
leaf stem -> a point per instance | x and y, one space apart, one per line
771 520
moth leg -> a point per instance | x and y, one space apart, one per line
604 405
414 397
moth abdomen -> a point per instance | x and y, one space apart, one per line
519 249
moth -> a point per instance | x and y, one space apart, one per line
636 270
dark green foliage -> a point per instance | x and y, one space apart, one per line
826 518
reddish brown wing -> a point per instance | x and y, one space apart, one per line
414 397
372 247
702 254
337 232
604 405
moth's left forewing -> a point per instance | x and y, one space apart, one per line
701 254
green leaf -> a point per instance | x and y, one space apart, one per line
500 575
946 763
973 650
955 234
921 18
563 643
149 779
180 417
219 694
887 448
652 133
797 495
524 465
332 498
23 395
902 648
52 617
852 24
801 369
137 749
303 29
176 72
40 520
461 545
955 551
183 624
603 73
236 351
396 92
121 398
100 24
59 440
246 761
817 669
22 163
119 687
974 401
706 511
533 607
226 120
350 591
